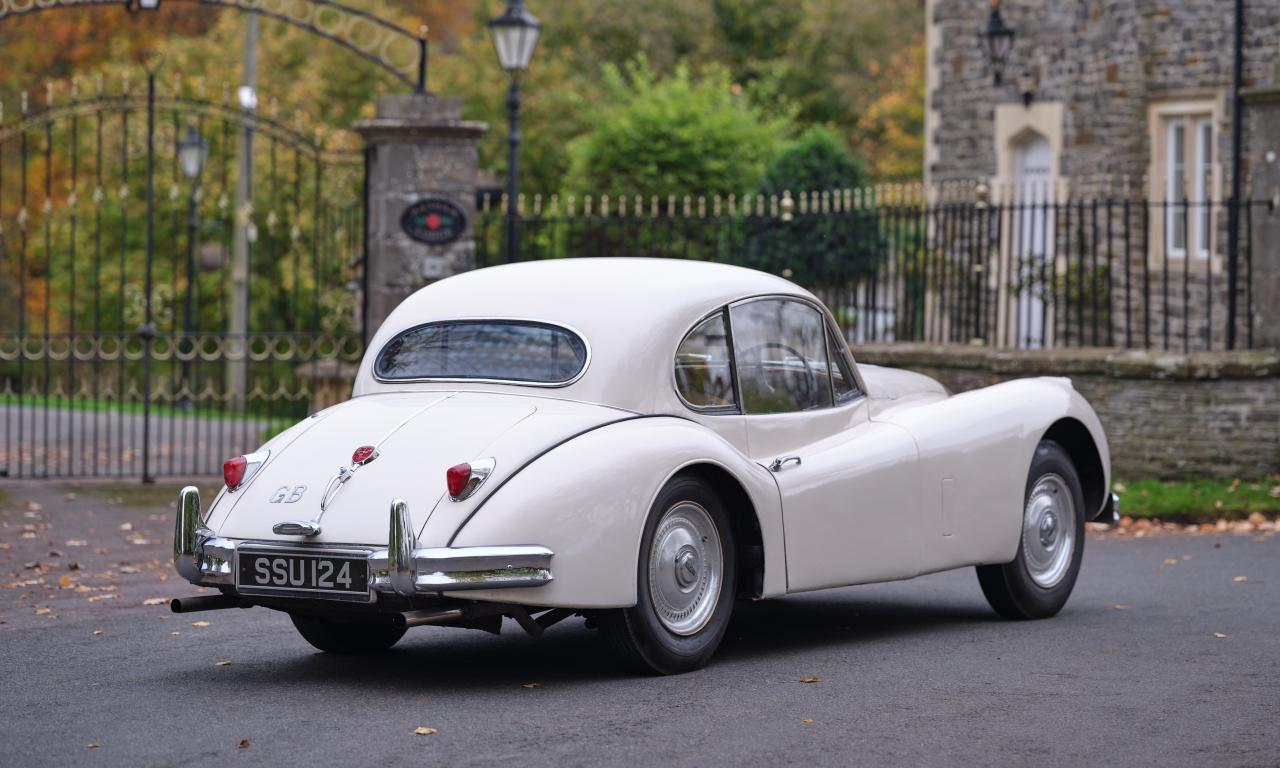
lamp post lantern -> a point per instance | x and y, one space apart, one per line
192 154
999 39
515 35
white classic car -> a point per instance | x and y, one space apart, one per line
641 442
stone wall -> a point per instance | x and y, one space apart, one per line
1167 415
1105 61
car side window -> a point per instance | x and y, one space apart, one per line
704 369
780 348
843 384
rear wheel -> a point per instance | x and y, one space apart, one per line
346 637
686 579
1037 583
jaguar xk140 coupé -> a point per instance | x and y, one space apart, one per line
642 443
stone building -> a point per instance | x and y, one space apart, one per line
1125 99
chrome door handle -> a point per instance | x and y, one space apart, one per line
783 461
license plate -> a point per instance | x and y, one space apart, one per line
315 574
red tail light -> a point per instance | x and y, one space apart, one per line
464 479
456 478
233 471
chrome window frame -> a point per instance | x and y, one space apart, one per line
715 410
586 363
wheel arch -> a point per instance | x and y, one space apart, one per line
747 537
1079 443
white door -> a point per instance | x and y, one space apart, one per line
1032 238
850 506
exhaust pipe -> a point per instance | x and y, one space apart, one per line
427 616
205 603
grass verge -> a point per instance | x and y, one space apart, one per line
1199 499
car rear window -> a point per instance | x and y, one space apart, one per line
491 350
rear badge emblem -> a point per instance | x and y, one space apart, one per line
363 455
288 495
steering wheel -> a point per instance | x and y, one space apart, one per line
810 378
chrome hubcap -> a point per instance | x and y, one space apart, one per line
685 568
1049 530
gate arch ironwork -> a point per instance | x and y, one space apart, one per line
100 375
387 45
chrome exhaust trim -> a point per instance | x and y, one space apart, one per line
427 616
205 603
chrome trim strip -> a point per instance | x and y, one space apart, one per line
586 363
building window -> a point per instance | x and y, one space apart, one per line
1184 179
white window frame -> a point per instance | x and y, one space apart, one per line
1201 174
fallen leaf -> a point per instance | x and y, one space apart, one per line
1171 561
156 601
1120 606
129 569
34 506
808 679
43 611
108 596
77 543
244 744
222 664
91 745
422 730
97 631
200 623
807 722
176 632
529 685
1239 579
65 581
126 526
1219 635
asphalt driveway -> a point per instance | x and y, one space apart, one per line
1164 656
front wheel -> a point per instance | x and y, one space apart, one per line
686 579
1037 583
346 637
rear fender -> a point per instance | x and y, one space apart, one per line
587 500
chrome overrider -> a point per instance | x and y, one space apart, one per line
203 558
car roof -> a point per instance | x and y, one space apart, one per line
632 312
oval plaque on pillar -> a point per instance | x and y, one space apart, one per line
434 221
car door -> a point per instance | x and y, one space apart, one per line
850 506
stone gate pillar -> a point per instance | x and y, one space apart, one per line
420 197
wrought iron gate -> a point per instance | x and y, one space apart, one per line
118 288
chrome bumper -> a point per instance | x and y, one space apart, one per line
205 559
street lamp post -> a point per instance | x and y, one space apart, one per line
999 39
192 153
515 34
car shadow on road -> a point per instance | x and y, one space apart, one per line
444 659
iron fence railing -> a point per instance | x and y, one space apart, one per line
1025 268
